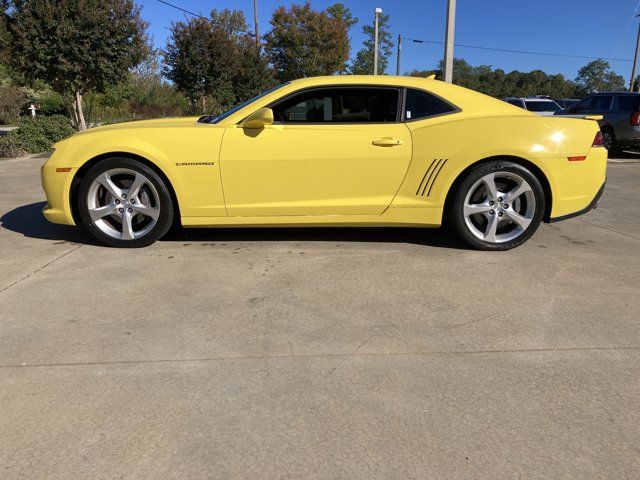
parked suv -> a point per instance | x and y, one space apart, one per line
567 102
540 105
620 124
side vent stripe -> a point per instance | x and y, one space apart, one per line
425 176
436 176
429 178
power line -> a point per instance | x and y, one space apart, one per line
527 52
182 9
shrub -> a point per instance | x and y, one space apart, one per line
11 100
137 98
52 103
35 135
9 147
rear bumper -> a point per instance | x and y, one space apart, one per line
593 204
629 145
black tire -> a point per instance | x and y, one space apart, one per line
609 140
506 171
153 187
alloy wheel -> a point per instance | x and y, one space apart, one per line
123 203
499 207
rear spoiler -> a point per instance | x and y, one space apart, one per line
585 117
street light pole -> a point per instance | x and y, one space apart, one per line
398 55
255 22
376 14
448 41
635 59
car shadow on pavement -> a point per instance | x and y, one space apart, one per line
434 237
28 220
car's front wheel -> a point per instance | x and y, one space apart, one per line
124 203
497 206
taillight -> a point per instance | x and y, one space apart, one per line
635 119
597 142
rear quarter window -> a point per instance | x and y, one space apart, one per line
421 104
628 103
583 105
602 102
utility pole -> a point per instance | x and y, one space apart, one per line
255 21
448 41
635 59
376 14
398 55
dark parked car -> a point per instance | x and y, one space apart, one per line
567 103
620 124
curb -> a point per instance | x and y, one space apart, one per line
615 160
43 156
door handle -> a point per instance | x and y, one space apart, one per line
386 142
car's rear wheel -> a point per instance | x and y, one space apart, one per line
497 206
124 203
609 140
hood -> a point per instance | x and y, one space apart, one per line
157 123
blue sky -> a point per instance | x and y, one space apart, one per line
578 27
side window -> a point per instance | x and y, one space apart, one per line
602 102
584 105
517 103
421 104
339 105
627 103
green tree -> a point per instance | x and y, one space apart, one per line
363 63
597 76
342 14
75 45
4 32
305 43
497 83
214 61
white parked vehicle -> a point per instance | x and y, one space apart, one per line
540 105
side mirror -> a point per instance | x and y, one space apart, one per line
258 119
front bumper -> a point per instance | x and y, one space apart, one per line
56 186
593 204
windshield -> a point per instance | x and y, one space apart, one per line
542 106
222 116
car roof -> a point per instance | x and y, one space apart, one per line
463 98
531 99
635 94
362 79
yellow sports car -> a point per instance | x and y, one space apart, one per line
333 151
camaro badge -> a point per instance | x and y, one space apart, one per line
194 164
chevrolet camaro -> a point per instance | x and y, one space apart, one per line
333 151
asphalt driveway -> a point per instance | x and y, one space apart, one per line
304 354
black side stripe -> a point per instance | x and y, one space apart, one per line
425 176
436 176
432 176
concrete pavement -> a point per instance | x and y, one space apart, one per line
337 353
